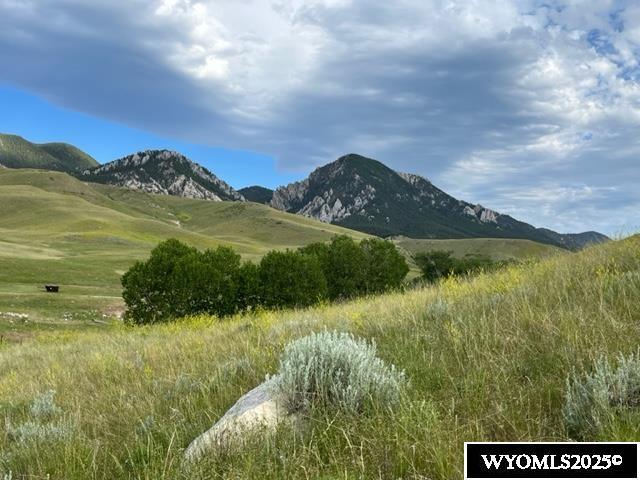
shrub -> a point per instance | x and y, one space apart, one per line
319 250
291 279
352 269
435 265
178 280
332 369
385 266
594 399
44 406
345 269
438 264
154 290
45 424
248 286
215 280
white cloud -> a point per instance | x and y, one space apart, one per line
525 93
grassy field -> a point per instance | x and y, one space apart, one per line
496 248
487 359
56 229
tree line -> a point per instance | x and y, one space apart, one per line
179 280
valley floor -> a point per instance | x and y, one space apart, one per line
487 359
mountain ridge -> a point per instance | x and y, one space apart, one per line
163 172
353 191
17 152
364 194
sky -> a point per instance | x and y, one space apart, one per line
530 108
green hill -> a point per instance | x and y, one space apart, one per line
57 229
257 194
16 152
486 358
71 157
496 248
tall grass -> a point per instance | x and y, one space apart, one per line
486 358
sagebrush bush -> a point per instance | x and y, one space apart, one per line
44 406
332 369
596 398
45 425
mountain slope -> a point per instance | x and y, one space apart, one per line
164 172
364 194
496 248
72 157
257 194
16 152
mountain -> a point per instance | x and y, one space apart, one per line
16 152
574 241
363 194
164 172
257 194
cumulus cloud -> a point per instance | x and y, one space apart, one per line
528 107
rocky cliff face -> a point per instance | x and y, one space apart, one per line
363 194
163 172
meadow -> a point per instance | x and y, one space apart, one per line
57 229
487 358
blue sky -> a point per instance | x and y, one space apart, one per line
39 121
529 107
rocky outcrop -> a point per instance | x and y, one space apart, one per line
163 172
482 214
257 409
364 194
285 197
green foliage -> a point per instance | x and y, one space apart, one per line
596 399
439 264
345 271
291 279
248 286
178 280
385 267
217 282
353 269
159 289
332 369
435 265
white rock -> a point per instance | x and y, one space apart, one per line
258 408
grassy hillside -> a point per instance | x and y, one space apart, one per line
16 152
496 248
54 228
487 359
72 157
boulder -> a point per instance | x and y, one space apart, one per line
259 408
